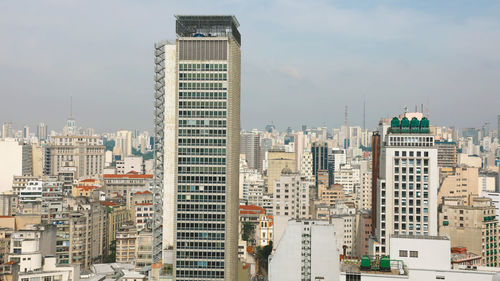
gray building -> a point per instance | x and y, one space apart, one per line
250 146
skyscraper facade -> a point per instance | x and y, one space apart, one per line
408 181
250 146
199 77
42 131
320 157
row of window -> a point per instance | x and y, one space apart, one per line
202 170
198 274
411 194
201 151
410 186
404 254
202 123
202 66
201 86
201 217
203 104
202 189
201 142
200 236
203 95
202 114
201 198
201 245
201 133
201 179
203 76
201 207
201 161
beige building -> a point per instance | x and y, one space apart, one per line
126 185
117 216
471 223
291 195
125 243
462 182
84 153
277 160
144 249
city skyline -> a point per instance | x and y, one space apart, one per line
437 65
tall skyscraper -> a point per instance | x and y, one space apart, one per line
408 181
197 146
26 132
320 157
250 146
7 130
42 131
124 143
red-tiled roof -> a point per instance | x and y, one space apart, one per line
251 209
144 192
129 176
10 262
87 188
88 180
4 217
108 203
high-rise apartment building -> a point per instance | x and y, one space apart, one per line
42 131
124 143
250 146
447 154
197 146
7 131
408 182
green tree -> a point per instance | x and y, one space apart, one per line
248 229
112 253
263 253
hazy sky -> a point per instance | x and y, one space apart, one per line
303 61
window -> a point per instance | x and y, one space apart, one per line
403 253
413 254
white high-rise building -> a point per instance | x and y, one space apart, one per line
407 183
124 143
7 131
197 134
42 131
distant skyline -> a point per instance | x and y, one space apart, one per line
302 61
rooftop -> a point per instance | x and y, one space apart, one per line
208 26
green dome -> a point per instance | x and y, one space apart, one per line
405 125
405 122
395 122
424 123
415 125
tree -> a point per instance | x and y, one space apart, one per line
112 253
263 253
248 228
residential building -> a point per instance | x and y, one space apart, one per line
306 165
306 251
343 219
349 177
125 243
126 185
42 131
278 160
198 104
447 154
407 184
124 143
291 195
143 249
471 224
15 160
463 181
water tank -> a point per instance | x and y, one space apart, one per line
395 125
424 125
385 263
365 263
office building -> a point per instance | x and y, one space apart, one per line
83 153
408 181
250 146
320 157
42 131
7 131
197 131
